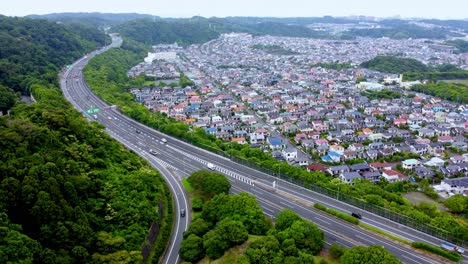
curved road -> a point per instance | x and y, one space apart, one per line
177 159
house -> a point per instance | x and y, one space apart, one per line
361 167
299 137
372 176
435 162
320 142
256 138
390 175
316 167
424 172
349 155
455 186
358 147
239 140
372 154
425 132
275 143
332 156
337 170
410 164
290 153
348 177
380 166
419 149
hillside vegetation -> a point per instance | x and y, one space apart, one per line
199 30
392 64
33 51
68 192
449 91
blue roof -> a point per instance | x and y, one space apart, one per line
276 141
327 158
210 130
333 153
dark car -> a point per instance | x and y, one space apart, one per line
138 131
182 212
357 215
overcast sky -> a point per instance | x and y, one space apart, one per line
286 8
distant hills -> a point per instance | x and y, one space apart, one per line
95 19
151 29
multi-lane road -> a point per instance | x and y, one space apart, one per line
177 159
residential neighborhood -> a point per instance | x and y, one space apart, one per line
284 103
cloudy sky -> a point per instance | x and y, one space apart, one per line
285 8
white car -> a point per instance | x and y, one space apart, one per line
163 140
153 152
211 166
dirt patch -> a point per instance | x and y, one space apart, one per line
417 197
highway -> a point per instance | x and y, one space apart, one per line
178 159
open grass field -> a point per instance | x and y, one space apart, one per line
417 197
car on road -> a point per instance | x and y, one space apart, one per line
357 215
211 166
153 152
138 131
163 140
182 212
95 116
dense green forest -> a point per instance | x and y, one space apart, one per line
226 221
33 50
388 195
392 64
68 192
199 30
229 220
413 69
460 44
449 91
436 75
93 19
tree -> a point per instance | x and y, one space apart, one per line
285 218
7 99
457 203
265 250
336 251
191 248
368 255
232 231
209 183
307 236
214 244
198 227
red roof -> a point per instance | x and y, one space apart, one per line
316 167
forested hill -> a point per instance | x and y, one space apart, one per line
199 30
391 64
35 49
94 19
68 192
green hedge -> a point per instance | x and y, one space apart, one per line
439 251
337 213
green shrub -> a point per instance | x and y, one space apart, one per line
439 251
197 204
336 251
320 207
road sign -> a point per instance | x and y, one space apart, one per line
92 111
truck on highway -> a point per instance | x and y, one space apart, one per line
451 247
211 166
